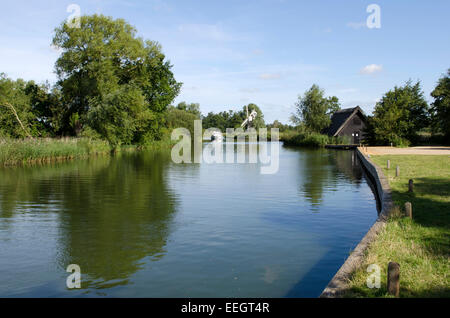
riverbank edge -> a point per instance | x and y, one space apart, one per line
339 283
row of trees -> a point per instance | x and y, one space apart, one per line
32 110
115 85
399 118
233 119
110 83
403 115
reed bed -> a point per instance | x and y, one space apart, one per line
21 151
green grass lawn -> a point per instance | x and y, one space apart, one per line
421 246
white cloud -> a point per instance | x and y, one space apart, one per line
371 69
269 76
357 25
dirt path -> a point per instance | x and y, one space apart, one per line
424 150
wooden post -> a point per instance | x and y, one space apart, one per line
411 186
408 209
389 164
397 171
393 279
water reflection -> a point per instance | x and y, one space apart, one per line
140 226
316 175
112 213
348 165
321 170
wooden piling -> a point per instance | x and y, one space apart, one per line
411 186
408 209
393 282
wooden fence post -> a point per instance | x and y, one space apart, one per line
411 186
397 171
393 279
408 209
389 164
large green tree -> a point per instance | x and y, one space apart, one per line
400 114
102 59
314 110
440 108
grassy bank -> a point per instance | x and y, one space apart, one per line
20 151
310 139
23 151
421 246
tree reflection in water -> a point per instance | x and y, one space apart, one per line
112 212
322 168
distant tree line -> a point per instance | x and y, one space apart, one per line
401 117
233 119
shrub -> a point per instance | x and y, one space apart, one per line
305 139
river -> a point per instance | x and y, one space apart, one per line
139 225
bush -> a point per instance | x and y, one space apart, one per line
400 142
305 139
312 139
340 140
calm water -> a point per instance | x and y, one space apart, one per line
141 226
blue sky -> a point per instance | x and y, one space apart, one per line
229 53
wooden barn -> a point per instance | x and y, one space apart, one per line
349 122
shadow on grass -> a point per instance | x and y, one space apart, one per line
435 186
429 230
428 212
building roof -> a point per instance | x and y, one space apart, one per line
340 118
